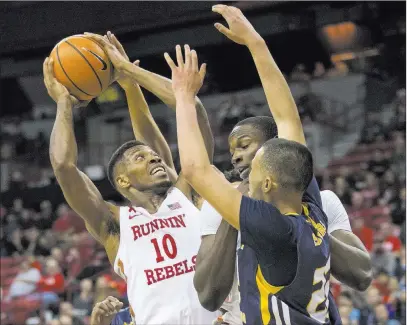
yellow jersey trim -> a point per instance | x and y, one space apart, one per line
265 289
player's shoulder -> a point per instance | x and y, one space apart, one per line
338 218
175 192
315 212
188 200
259 207
328 196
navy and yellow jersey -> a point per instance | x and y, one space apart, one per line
123 317
334 316
284 263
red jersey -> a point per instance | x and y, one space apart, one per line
54 283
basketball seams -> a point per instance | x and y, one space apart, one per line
87 61
75 71
62 67
101 47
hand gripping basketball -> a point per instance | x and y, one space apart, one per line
114 50
55 89
120 76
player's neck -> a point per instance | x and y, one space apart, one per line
150 200
287 203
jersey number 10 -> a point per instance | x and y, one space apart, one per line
169 246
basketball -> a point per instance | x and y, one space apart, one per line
82 66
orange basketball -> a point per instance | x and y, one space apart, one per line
82 66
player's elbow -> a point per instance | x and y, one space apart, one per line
62 167
209 304
364 280
64 173
209 300
187 167
362 277
211 295
207 292
366 274
191 169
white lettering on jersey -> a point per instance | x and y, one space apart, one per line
156 257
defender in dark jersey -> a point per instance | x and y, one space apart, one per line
284 264
284 261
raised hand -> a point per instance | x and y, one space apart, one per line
113 40
119 75
55 89
187 77
117 55
240 29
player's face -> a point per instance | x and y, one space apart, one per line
145 169
261 184
255 179
244 142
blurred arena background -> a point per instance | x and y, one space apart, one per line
345 62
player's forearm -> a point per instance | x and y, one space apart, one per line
277 91
215 267
350 265
191 146
162 88
158 85
63 149
273 81
144 126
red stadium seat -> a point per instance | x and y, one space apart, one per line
19 310
369 214
352 159
6 282
334 170
372 147
8 271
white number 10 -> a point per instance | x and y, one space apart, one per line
319 299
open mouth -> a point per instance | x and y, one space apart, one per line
158 170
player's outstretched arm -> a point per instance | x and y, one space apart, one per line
159 86
187 79
278 94
145 128
79 191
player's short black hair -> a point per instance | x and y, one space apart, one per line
290 162
117 156
265 124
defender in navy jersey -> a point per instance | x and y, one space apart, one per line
284 263
285 249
